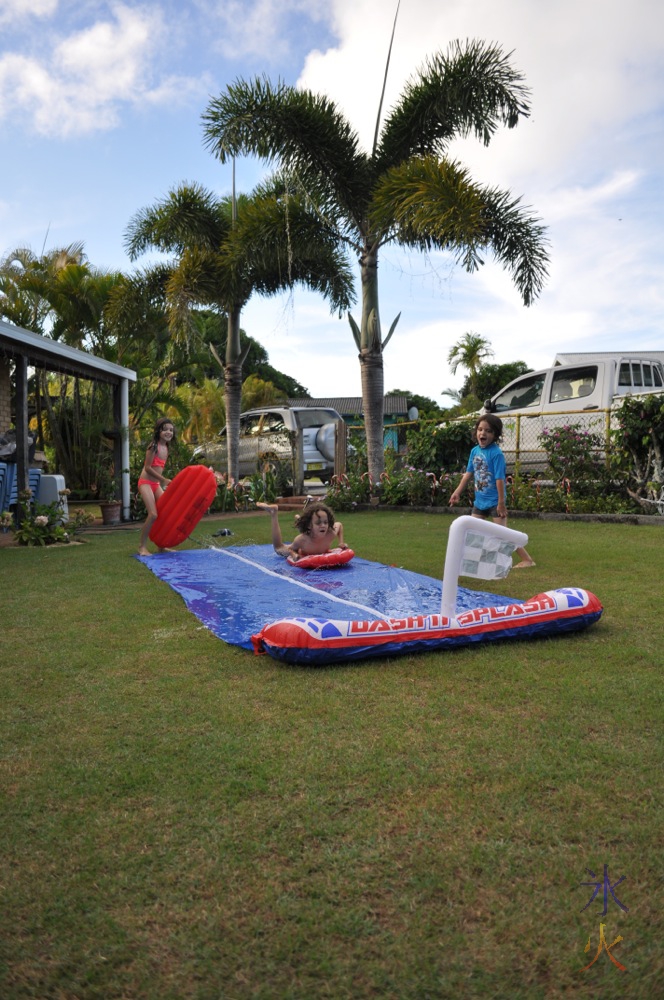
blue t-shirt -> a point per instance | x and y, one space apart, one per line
487 465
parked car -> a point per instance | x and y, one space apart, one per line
269 434
585 394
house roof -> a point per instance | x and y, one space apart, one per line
42 352
349 405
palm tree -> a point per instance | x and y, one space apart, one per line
469 352
405 191
225 250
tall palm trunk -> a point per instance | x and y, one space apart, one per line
233 392
371 365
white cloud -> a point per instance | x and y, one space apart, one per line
19 10
80 86
261 28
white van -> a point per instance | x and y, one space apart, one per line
583 393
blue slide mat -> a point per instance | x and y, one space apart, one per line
236 590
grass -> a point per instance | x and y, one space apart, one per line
181 819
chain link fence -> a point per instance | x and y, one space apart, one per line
522 441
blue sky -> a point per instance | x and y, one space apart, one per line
100 107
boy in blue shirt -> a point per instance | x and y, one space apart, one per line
486 465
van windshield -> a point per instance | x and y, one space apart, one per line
526 392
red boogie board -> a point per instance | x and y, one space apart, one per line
182 505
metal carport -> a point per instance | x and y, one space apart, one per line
30 350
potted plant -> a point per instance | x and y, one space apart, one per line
110 505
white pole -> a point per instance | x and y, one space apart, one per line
124 430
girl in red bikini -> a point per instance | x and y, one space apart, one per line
152 482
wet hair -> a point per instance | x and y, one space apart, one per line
303 520
157 432
494 422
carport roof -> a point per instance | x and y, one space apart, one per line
42 352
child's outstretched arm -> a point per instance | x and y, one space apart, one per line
338 529
458 493
501 506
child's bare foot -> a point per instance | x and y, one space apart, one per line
143 551
271 508
524 564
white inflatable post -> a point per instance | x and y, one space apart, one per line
480 549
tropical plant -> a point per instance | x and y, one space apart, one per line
227 249
469 352
406 190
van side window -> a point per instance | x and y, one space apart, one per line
573 384
250 426
625 376
636 373
647 375
273 424
526 392
657 376
561 388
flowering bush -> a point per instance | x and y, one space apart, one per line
570 451
42 524
409 486
39 524
347 491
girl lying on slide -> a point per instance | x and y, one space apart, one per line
319 532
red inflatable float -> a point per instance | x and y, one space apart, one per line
335 557
182 505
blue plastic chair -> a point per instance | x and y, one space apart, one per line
9 486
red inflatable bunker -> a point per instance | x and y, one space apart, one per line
182 505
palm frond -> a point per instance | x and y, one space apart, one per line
470 89
279 242
425 203
301 131
430 204
518 240
190 214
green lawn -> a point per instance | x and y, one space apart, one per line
182 819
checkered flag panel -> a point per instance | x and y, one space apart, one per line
485 557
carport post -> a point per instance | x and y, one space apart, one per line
124 430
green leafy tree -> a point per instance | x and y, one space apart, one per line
638 447
490 379
425 407
225 250
256 358
405 191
